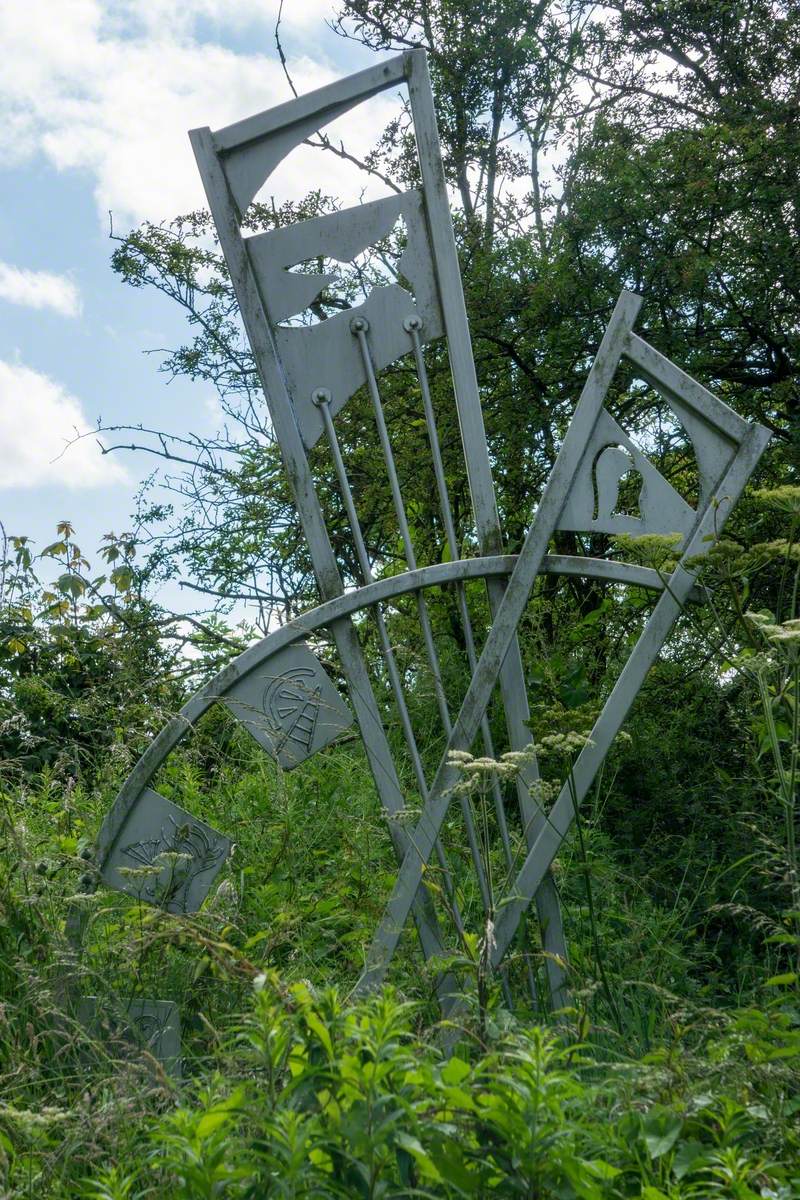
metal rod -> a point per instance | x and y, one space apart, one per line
413 326
359 326
479 473
322 398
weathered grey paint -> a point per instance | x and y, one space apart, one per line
290 706
234 163
261 336
278 689
261 653
618 705
322 355
479 471
164 855
151 1025
575 448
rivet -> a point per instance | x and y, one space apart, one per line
320 396
412 323
359 325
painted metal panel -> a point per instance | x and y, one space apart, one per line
151 1025
252 148
593 504
165 856
290 706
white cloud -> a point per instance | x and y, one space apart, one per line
110 87
38 419
39 289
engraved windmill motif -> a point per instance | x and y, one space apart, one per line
278 689
292 708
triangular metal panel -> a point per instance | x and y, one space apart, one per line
592 503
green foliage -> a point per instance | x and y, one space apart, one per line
651 146
75 647
90 665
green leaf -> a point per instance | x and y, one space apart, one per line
318 1027
122 578
661 1131
688 1157
71 585
414 1147
601 1168
220 1114
455 1071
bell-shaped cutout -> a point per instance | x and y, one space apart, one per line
618 485
618 490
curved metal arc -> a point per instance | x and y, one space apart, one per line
462 570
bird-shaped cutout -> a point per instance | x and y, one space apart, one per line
339 236
325 355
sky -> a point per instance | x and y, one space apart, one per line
96 97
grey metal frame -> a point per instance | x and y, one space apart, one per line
260 333
233 164
277 688
258 658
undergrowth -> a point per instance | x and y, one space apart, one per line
290 1088
673 1071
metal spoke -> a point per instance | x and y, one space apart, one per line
322 399
413 326
359 327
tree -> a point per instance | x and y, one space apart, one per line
89 664
647 146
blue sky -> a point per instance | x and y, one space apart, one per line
96 97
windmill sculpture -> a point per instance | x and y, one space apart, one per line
278 688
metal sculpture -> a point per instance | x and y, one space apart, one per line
278 689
